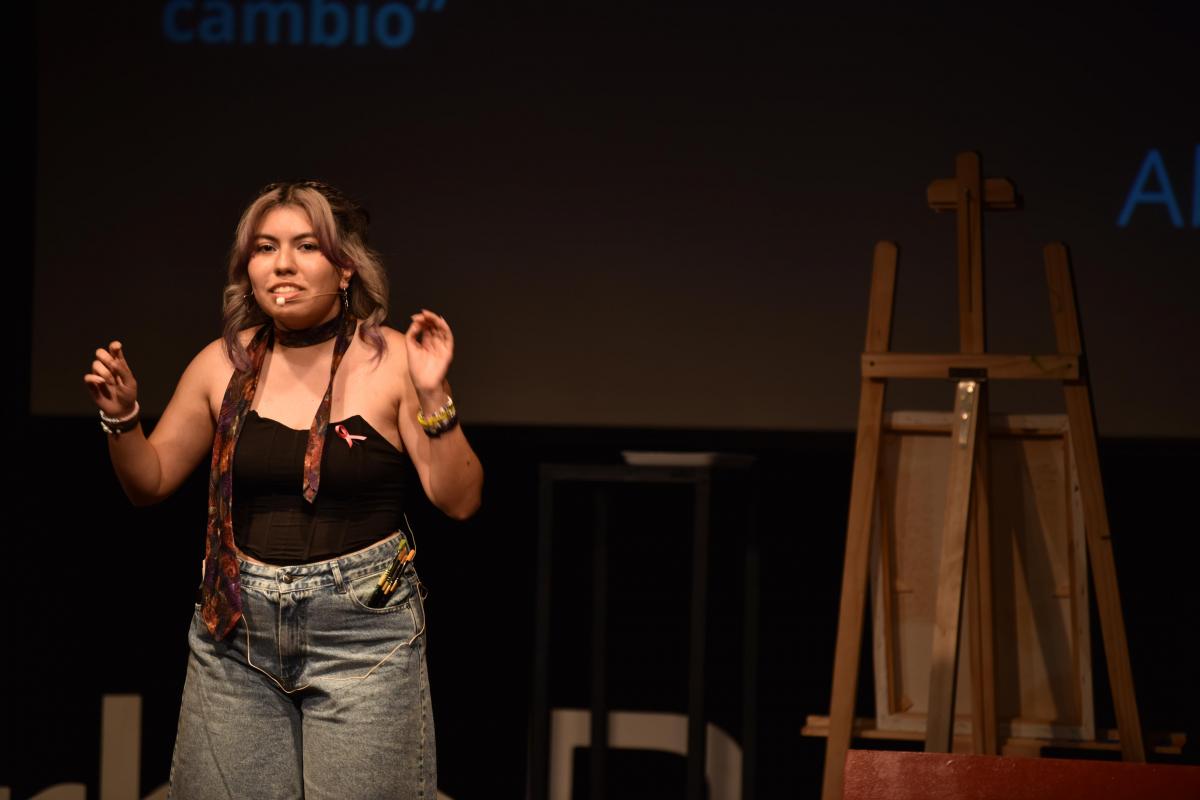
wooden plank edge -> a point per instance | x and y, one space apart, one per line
1107 739
999 424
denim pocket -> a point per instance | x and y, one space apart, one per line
360 590
409 594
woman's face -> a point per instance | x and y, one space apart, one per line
293 281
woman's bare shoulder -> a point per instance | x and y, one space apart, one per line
393 352
393 337
382 368
213 360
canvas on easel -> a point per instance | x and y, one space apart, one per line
1043 668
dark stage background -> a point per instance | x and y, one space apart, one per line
630 212
650 226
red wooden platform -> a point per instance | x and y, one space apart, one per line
883 775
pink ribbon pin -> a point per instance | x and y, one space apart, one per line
341 431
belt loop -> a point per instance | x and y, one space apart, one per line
337 577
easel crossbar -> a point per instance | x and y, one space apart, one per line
939 366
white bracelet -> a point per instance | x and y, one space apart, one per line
115 426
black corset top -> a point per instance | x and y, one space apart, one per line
360 499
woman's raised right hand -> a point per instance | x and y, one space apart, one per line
111 382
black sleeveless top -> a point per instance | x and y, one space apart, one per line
361 499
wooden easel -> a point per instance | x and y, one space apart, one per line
965 562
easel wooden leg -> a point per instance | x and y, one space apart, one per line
858 528
939 725
1095 514
979 588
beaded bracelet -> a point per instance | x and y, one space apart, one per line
115 426
441 420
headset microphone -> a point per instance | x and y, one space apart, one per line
281 300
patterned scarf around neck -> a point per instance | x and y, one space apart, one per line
221 596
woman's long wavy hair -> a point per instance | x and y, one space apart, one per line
341 228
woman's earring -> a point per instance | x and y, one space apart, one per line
345 298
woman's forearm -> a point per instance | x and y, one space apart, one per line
137 465
455 475
455 479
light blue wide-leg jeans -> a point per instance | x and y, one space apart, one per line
313 695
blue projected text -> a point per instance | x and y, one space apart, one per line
1152 187
316 23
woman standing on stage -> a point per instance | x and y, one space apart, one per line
307 675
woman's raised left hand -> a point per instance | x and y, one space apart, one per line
430 346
